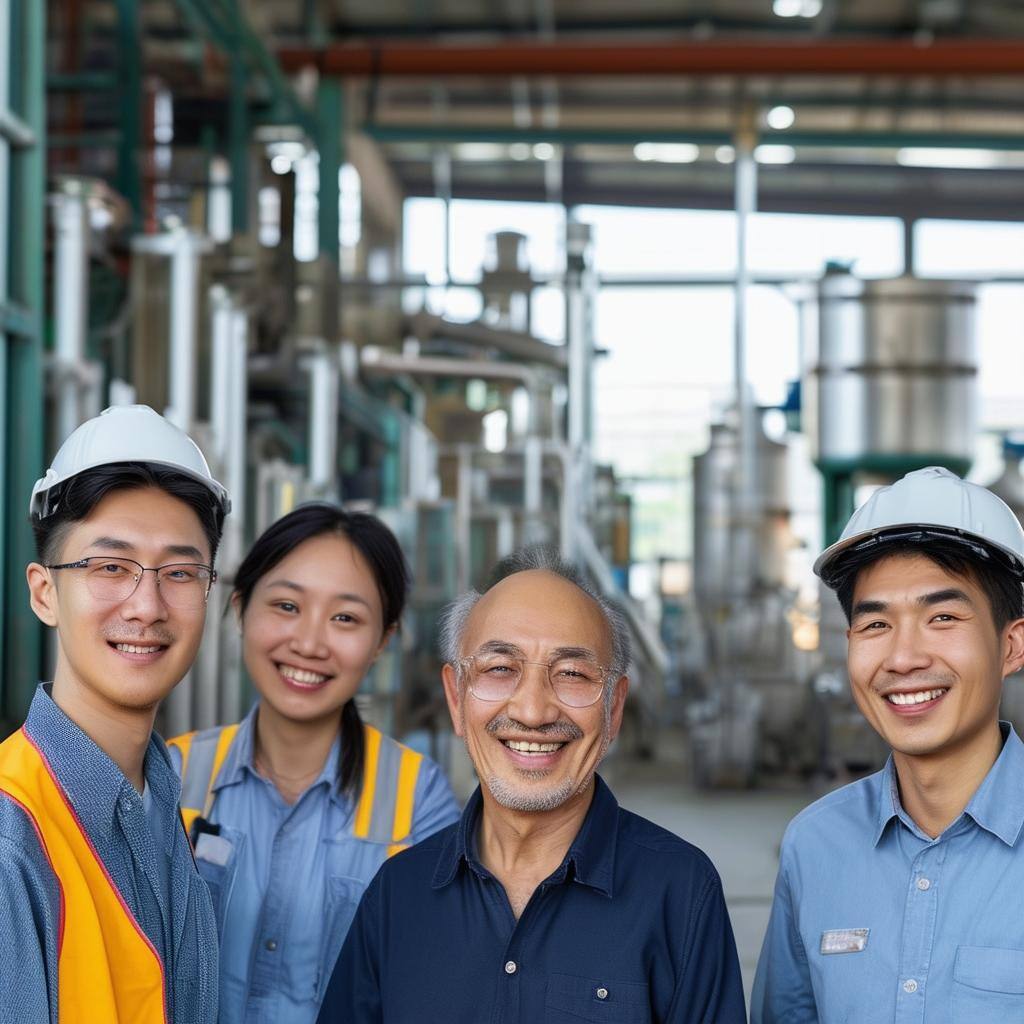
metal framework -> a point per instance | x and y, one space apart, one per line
22 177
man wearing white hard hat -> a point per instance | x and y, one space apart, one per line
103 916
899 896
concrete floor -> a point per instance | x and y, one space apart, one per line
739 830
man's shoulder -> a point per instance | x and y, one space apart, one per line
649 843
850 807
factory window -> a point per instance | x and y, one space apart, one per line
950 248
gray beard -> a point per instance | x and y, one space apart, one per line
512 798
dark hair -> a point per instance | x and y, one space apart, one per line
1002 588
77 498
378 545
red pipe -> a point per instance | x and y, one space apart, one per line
976 58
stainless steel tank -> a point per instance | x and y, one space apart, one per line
891 370
716 576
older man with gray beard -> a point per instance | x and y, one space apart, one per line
546 901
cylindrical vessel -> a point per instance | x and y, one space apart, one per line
892 372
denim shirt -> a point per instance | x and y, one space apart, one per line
160 887
874 921
286 880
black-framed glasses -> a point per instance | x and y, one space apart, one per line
577 682
181 584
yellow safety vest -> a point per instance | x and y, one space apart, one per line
108 972
387 795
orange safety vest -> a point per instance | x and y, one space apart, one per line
387 796
108 972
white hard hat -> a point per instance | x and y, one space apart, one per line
124 433
927 504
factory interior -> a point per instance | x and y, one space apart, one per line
672 285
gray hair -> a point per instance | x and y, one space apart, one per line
544 558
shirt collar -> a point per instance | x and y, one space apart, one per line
86 773
591 854
239 759
997 805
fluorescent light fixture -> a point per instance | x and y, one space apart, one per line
797 8
781 118
768 154
280 164
725 154
544 151
520 151
925 156
490 152
667 152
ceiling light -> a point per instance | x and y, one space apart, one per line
787 8
488 152
519 151
774 154
924 156
725 154
781 118
544 151
280 164
667 152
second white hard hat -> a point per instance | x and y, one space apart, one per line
938 502
125 433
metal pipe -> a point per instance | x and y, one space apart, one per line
374 361
323 421
533 483
71 301
184 302
981 58
744 550
221 307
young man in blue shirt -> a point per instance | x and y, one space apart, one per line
898 897
103 915
546 901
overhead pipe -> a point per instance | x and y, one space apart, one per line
976 58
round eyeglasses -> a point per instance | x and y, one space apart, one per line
577 682
181 584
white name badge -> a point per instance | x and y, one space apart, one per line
844 940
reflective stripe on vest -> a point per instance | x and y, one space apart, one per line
107 969
387 797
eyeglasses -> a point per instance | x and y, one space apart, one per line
181 584
493 676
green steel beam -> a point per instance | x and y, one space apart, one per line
129 176
238 144
17 320
85 81
435 133
88 140
21 401
329 136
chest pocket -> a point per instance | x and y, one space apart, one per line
988 985
572 999
217 859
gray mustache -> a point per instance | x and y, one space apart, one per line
562 729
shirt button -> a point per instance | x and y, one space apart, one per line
601 993
910 985
924 884
510 967
271 944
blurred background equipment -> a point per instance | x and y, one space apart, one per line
669 289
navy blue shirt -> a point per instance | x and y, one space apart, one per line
630 928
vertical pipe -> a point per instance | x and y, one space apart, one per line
184 310
909 253
464 518
744 548
330 131
221 308
71 302
130 95
323 422
580 352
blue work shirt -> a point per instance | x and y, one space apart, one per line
875 921
630 928
176 917
286 880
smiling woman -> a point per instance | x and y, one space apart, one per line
293 810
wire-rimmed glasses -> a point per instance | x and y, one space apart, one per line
577 681
181 584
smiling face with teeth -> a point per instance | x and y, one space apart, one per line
532 753
312 628
926 661
130 654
